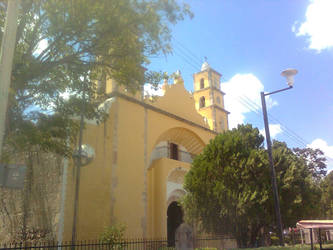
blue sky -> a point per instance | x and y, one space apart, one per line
250 42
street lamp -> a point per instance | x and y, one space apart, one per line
82 156
289 74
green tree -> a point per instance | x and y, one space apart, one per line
315 160
228 185
229 189
299 192
59 42
327 196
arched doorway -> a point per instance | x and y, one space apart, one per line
174 219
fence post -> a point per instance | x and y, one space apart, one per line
293 236
320 244
311 238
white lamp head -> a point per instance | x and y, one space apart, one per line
87 154
289 74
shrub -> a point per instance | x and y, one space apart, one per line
114 235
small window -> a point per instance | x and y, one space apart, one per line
202 83
173 151
221 123
202 102
218 100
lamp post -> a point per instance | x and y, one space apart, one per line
82 157
77 156
289 74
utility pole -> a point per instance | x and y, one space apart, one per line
6 62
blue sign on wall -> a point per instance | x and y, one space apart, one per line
12 175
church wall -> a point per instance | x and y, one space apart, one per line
95 184
218 95
129 175
222 117
207 112
215 78
117 186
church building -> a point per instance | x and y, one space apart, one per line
142 153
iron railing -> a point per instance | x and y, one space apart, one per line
164 152
128 244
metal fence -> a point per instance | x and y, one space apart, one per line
128 244
80 245
303 237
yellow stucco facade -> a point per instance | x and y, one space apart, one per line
142 153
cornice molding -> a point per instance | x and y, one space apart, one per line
206 70
216 106
161 111
208 88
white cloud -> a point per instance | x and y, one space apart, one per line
239 89
150 90
274 130
328 151
318 25
321 144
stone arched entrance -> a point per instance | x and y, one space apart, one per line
174 219
175 192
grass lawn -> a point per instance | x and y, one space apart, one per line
296 247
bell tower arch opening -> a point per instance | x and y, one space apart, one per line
202 83
202 103
174 219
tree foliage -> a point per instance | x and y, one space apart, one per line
60 42
299 192
327 196
315 160
229 186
